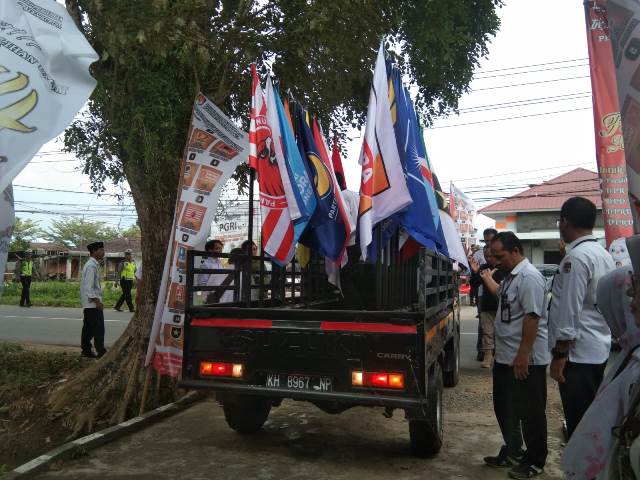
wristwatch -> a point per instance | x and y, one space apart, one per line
559 354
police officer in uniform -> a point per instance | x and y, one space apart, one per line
127 274
91 298
578 333
521 359
26 273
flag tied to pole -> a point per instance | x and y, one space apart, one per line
383 188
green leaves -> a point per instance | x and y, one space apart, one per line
155 54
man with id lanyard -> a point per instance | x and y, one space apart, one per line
521 359
578 333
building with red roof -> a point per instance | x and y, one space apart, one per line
533 213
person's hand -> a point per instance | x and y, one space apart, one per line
557 369
521 366
487 273
99 304
475 266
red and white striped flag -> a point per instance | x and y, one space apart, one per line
277 224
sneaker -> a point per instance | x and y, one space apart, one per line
502 460
89 355
524 470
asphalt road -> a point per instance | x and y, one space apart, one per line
54 326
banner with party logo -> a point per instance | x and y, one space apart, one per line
215 147
610 146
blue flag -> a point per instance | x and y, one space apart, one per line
299 179
326 231
419 218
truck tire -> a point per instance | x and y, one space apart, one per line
426 434
246 414
451 376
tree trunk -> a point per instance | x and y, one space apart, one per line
111 389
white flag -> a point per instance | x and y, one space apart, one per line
44 78
383 188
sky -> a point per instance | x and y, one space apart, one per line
541 44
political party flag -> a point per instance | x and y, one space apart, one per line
417 219
341 227
277 224
337 165
326 233
44 79
293 172
383 188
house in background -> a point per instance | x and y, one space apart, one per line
534 213
59 262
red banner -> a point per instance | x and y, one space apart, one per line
618 220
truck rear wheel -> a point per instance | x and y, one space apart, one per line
246 414
451 374
426 434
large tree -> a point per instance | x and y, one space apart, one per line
155 55
77 233
24 232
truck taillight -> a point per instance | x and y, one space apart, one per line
377 379
218 369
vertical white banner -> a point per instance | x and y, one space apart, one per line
7 218
215 147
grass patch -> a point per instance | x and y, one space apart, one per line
23 370
59 294
27 376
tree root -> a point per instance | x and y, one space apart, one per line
110 390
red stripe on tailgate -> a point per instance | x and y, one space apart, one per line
368 327
231 323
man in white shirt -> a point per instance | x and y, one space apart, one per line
91 299
578 333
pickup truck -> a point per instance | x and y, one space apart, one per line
389 338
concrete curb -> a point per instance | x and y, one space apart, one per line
82 445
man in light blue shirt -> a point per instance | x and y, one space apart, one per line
578 333
522 356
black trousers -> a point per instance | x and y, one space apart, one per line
93 329
126 286
520 408
25 299
582 381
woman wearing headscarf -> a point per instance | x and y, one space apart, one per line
591 451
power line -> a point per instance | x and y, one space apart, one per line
529 83
523 103
511 118
534 65
532 71
522 171
70 191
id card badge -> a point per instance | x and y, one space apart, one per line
505 310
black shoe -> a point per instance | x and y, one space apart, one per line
117 309
89 355
524 470
503 460
101 354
